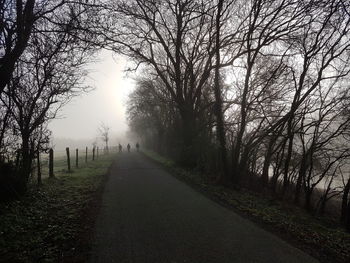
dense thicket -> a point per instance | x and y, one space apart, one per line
253 92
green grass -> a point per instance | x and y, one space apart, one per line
51 223
60 161
325 240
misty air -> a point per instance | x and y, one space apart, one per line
171 131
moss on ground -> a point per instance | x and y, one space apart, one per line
52 223
325 240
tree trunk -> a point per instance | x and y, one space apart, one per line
188 153
347 225
323 203
287 163
276 171
220 132
323 206
308 195
26 166
344 206
301 176
243 166
267 162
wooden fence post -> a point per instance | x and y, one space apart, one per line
93 154
39 169
68 159
76 158
86 154
51 175
17 157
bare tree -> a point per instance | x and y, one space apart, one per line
221 137
47 76
18 20
104 133
173 40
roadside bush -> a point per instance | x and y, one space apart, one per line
10 187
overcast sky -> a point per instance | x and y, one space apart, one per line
81 118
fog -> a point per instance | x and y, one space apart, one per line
78 121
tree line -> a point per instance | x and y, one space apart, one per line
254 93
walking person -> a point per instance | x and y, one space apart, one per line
137 146
120 148
128 146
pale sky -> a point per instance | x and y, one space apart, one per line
81 118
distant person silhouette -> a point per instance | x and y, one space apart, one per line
120 148
128 147
137 146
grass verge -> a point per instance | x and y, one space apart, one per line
324 240
53 223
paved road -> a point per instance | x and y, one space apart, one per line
149 216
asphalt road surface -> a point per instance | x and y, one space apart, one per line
147 215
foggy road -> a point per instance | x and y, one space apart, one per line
147 215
